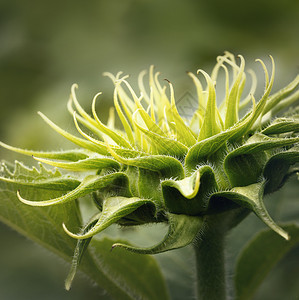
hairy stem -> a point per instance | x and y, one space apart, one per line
210 262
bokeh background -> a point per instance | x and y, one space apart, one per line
45 46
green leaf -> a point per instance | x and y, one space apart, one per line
258 258
182 231
44 226
41 178
138 276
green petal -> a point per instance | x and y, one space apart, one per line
82 112
252 118
232 102
149 122
123 119
210 125
183 132
78 141
182 231
111 133
246 101
114 209
83 121
281 94
163 145
122 151
285 103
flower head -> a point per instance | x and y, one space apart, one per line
163 167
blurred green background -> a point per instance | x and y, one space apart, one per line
45 46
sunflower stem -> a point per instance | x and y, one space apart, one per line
210 262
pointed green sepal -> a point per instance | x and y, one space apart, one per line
245 164
282 125
277 167
149 184
166 166
70 155
91 183
114 209
117 138
91 163
182 231
203 149
251 197
188 186
80 249
190 195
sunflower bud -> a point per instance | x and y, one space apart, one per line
163 167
